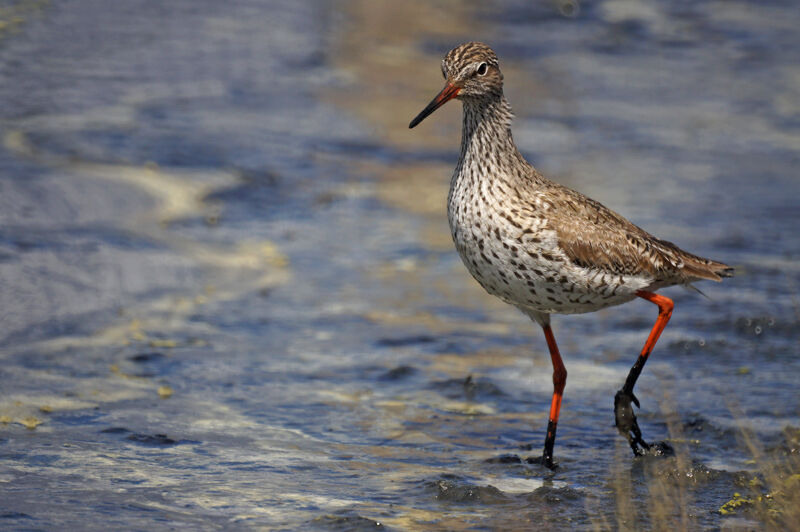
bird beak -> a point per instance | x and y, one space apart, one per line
449 92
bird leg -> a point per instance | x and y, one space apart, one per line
559 381
623 411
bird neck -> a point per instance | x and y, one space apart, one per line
486 135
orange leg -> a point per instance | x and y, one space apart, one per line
559 381
623 411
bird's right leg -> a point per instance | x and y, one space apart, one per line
624 417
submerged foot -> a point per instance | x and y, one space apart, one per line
514 459
542 460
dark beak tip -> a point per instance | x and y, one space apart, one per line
447 93
419 118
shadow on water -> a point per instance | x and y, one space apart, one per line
230 300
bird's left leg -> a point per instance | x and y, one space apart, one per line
623 410
559 382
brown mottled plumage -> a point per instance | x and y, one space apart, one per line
543 247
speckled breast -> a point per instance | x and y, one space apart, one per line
517 259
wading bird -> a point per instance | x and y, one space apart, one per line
543 247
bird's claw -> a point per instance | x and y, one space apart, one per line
628 426
626 423
636 402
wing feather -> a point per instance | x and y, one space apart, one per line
595 237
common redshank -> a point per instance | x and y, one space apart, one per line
542 247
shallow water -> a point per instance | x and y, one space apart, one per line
230 300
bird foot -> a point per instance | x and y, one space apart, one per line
514 459
543 461
628 426
660 448
626 422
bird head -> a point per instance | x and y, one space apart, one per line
471 72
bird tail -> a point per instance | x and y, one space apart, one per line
695 267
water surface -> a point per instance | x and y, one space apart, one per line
230 300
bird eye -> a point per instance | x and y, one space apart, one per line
483 68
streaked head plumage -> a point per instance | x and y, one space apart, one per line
472 73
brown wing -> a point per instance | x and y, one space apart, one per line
596 237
